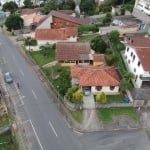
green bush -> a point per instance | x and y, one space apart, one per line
101 97
88 27
31 42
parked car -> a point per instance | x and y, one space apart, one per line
86 91
8 77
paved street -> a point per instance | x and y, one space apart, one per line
38 114
46 127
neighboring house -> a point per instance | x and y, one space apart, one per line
96 79
137 58
51 36
58 27
98 59
61 20
31 16
77 53
73 53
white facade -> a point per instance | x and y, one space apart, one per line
105 89
135 66
143 5
43 42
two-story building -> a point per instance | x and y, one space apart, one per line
137 59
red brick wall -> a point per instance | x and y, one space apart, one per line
60 23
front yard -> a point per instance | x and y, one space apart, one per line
105 114
87 38
77 115
42 59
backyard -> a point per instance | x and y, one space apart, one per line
87 38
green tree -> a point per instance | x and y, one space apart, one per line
124 85
13 21
66 4
78 97
28 4
114 35
129 76
98 44
64 81
70 92
107 19
10 6
49 5
88 6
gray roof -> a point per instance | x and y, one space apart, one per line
140 94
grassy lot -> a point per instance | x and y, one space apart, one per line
77 115
87 38
115 98
6 141
105 114
5 120
39 57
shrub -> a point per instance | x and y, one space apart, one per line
78 97
31 42
70 92
101 97
88 27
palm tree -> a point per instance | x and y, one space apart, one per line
129 76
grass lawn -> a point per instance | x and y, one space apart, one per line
87 38
77 115
105 114
7 142
5 120
41 59
115 98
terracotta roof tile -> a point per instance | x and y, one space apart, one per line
70 18
96 76
55 34
38 18
72 50
68 12
144 56
28 11
99 57
141 45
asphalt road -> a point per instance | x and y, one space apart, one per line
47 129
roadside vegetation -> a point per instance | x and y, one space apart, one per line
77 115
105 114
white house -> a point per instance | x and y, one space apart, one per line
104 79
137 58
143 5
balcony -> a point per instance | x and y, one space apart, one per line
144 78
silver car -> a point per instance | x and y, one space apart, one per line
8 77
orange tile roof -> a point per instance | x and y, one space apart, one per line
28 11
38 18
72 50
55 34
99 57
144 56
79 21
96 76
141 45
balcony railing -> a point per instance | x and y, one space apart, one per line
144 78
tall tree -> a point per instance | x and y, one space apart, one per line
114 35
129 76
28 4
13 21
98 44
88 6
10 6
49 5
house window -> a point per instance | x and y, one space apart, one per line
125 57
127 49
133 58
136 78
128 61
98 88
112 87
134 70
139 63
131 53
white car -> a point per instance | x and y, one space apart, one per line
8 77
